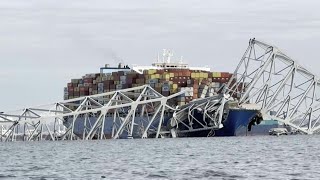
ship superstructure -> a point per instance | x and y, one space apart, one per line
166 63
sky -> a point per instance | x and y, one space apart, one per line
45 43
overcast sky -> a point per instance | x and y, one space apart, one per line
45 43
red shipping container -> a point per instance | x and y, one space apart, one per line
225 74
82 89
160 71
88 80
112 86
108 82
106 86
116 78
70 93
70 85
195 87
129 81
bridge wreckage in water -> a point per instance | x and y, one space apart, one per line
266 85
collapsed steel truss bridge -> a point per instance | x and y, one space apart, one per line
138 112
281 89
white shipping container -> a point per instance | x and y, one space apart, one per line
123 78
204 93
100 89
119 86
165 88
188 93
215 84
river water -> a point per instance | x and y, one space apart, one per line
260 157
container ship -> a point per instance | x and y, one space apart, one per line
168 77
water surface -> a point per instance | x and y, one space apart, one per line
264 157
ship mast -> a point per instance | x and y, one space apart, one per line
167 54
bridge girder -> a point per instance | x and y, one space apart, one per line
284 90
47 120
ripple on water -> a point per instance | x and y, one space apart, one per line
2 176
218 158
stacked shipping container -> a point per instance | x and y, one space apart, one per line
197 84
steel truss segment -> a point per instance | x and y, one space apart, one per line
285 90
48 122
212 110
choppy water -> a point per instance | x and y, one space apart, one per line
287 157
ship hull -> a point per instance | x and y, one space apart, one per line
236 124
80 124
237 120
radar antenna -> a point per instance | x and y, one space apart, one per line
167 54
